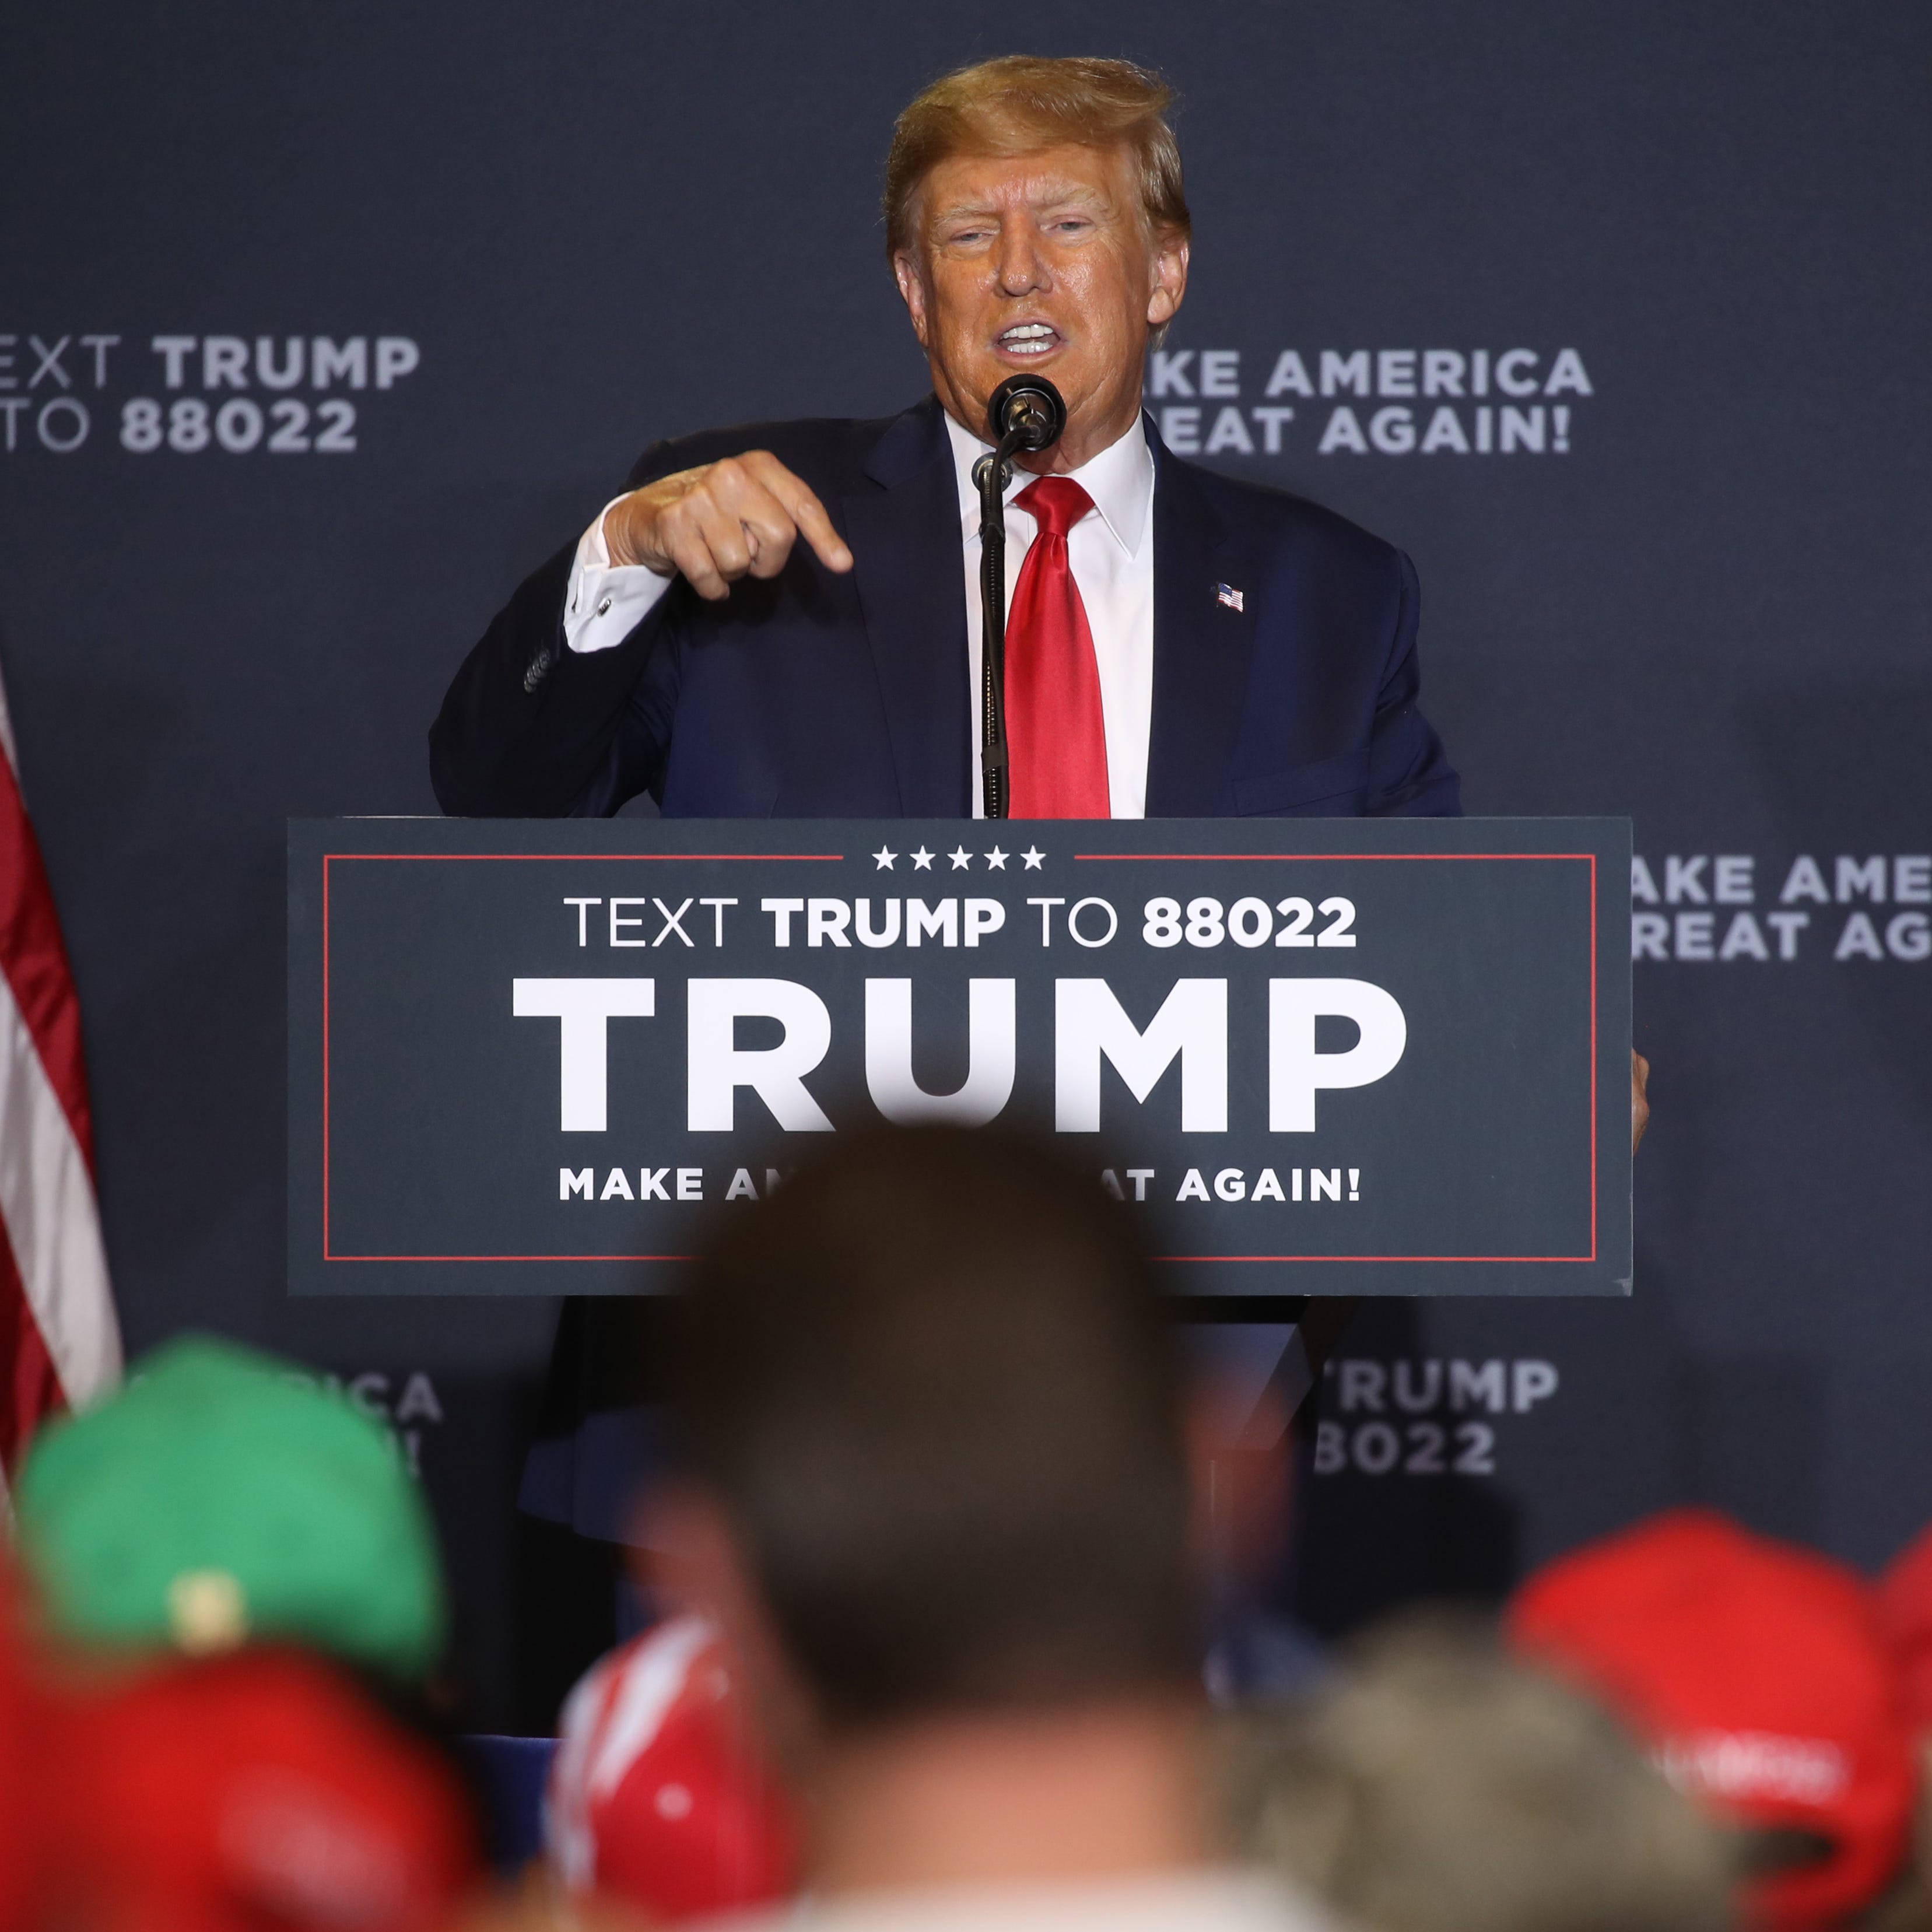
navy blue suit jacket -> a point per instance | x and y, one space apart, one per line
816 695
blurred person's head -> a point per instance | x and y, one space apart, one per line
1432 1786
939 1502
658 1795
1757 1675
219 1499
261 1790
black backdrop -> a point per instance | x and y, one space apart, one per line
559 231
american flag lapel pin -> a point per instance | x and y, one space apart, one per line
1226 593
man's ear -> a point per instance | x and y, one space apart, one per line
685 1556
912 292
690 1558
1168 275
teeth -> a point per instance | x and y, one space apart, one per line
1028 338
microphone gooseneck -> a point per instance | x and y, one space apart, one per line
1025 413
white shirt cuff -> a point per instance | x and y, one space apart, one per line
604 602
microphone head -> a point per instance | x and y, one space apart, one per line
1026 413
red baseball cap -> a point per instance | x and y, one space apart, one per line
262 1788
27 1726
1905 1615
657 1794
1759 1675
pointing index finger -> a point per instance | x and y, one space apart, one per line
809 514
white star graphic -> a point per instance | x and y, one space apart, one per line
996 860
961 858
1034 857
885 859
921 860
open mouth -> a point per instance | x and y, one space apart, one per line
1029 339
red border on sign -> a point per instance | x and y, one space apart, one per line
1587 858
822 858
431 858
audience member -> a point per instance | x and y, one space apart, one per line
659 1794
218 1498
1430 1785
938 1501
238 1592
258 1790
1757 1674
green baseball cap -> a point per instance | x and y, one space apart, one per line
219 1499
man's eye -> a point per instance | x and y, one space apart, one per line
968 235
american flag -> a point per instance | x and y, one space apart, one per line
60 1340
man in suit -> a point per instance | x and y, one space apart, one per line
782 620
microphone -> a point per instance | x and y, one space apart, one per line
1025 413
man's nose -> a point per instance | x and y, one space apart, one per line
1019 266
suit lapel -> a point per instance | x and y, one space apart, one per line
907 559
1200 651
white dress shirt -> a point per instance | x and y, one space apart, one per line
1111 550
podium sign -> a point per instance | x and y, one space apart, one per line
1382 1057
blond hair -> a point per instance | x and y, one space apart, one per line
1021 104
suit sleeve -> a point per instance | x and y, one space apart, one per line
1410 776
531 729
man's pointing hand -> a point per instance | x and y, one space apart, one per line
723 521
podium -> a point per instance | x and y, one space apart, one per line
1316 1057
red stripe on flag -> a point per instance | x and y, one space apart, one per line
34 957
30 1390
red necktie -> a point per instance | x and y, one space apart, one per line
1056 733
